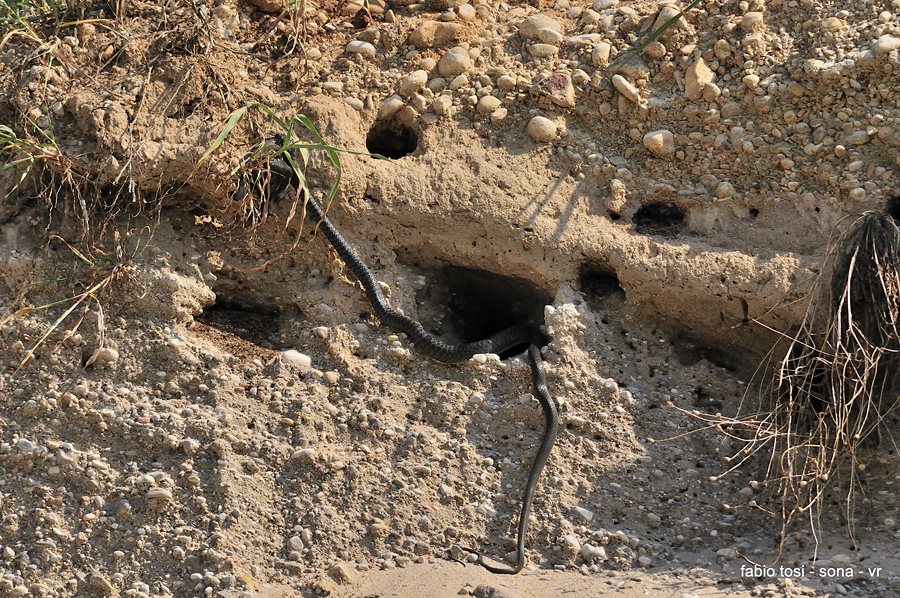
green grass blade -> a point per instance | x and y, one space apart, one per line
232 121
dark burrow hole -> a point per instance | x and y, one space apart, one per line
391 139
659 218
253 322
601 288
482 303
893 208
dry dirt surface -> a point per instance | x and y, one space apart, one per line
224 416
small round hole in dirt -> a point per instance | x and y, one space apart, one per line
754 213
391 139
659 218
893 208
601 287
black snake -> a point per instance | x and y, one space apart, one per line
280 178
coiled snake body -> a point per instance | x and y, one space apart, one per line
516 336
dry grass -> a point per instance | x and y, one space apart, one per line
828 402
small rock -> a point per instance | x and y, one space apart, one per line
413 82
455 62
661 143
100 582
296 359
724 190
618 195
506 82
539 51
341 573
696 78
442 105
558 87
488 104
653 520
666 14
571 544
304 455
108 355
752 21
360 47
466 12
390 106
432 33
530 26
486 591
499 115
586 514
592 553
190 446
886 44
549 36
629 91
600 54
542 129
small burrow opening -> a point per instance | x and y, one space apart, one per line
893 208
482 304
689 351
255 323
659 218
601 287
391 139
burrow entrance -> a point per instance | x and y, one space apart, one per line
659 218
243 327
392 139
477 304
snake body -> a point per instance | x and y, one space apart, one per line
425 342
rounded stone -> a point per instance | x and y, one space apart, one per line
724 190
488 104
360 47
296 358
530 26
660 143
455 62
390 106
542 129
413 82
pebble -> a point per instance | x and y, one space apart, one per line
591 553
108 355
752 21
549 36
624 87
190 446
724 190
488 104
100 582
341 573
531 25
661 143
558 87
488 591
506 82
455 62
297 359
539 51
466 12
442 105
541 129
696 78
390 106
886 44
666 13
413 82
363 48
600 54
585 514
571 544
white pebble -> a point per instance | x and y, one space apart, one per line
625 88
360 47
661 143
541 129
413 82
455 62
390 106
